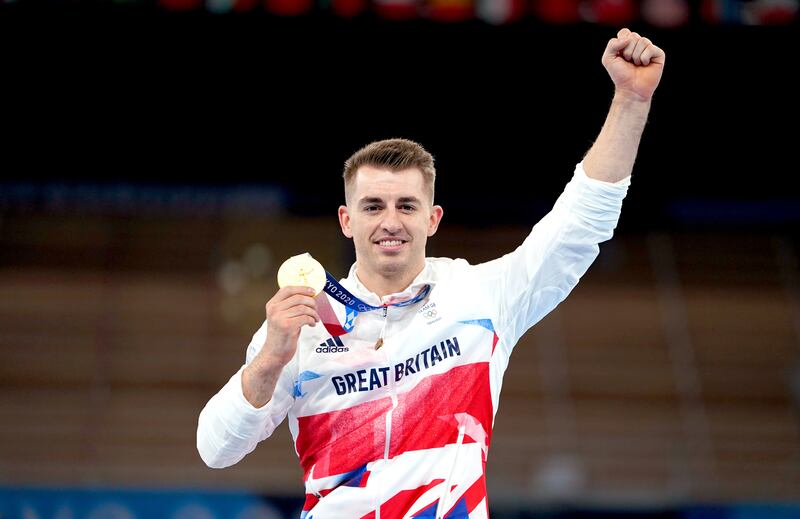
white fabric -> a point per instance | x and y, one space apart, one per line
483 309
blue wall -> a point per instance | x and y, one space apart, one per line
53 503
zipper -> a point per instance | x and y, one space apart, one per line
389 413
392 388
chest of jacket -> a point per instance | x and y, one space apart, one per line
421 345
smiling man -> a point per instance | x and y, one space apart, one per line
389 213
392 414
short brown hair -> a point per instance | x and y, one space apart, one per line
395 155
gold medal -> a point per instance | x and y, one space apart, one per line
302 271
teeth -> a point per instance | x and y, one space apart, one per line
390 243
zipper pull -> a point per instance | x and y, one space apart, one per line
379 343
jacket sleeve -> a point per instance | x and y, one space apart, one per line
528 283
229 426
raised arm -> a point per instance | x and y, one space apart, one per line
635 65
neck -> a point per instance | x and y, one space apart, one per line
385 284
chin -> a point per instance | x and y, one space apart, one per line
392 267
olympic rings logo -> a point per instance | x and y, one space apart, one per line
430 314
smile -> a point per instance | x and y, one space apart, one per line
390 243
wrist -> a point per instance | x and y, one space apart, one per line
264 365
627 97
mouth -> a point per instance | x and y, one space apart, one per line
390 244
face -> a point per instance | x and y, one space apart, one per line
389 216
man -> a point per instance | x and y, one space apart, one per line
394 418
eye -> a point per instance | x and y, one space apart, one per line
371 208
407 208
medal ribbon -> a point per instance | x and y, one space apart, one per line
353 306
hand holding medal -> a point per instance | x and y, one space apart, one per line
304 271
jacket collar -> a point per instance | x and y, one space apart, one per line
354 284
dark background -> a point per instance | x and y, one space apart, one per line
118 322
105 93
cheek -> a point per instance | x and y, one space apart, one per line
360 231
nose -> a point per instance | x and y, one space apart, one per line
391 221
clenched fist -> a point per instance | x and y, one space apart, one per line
634 63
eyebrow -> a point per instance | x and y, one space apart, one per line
378 200
409 200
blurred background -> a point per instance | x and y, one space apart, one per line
160 159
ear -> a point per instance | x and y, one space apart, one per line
436 216
344 221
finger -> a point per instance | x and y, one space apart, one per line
627 52
296 300
624 33
615 45
647 54
639 49
653 54
283 319
300 311
287 292
275 307
302 321
292 290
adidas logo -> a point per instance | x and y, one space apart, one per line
332 345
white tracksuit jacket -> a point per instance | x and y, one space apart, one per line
404 431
